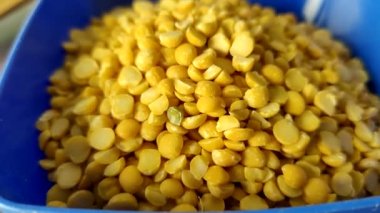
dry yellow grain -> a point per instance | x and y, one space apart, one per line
207 106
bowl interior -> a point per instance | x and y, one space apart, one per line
37 53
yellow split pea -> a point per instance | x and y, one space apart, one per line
202 105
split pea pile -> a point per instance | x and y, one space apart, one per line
187 105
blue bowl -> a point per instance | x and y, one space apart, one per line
37 52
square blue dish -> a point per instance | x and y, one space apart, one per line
37 53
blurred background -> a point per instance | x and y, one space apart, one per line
12 15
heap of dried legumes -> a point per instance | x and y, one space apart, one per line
187 105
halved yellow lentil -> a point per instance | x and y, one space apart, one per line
77 149
185 53
199 166
272 192
107 156
86 106
296 104
294 176
129 145
101 139
170 145
190 181
122 105
188 197
209 104
253 157
122 201
130 179
154 195
216 175
242 45
238 134
209 129
253 202
129 76
341 184
326 101
286 132
81 199
273 74
210 203
227 122
98 121
160 105
221 191
278 94
243 64
220 43
225 157
287 190
114 168
149 161
171 39
316 191
171 188
236 146
128 128
68 175
175 165
195 37
329 143
59 127
257 97
194 122
308 121
211 143
259 138
295 80
184 208
85 68
205 60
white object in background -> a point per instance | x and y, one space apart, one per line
311 9
10 25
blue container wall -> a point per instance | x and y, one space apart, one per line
38 52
